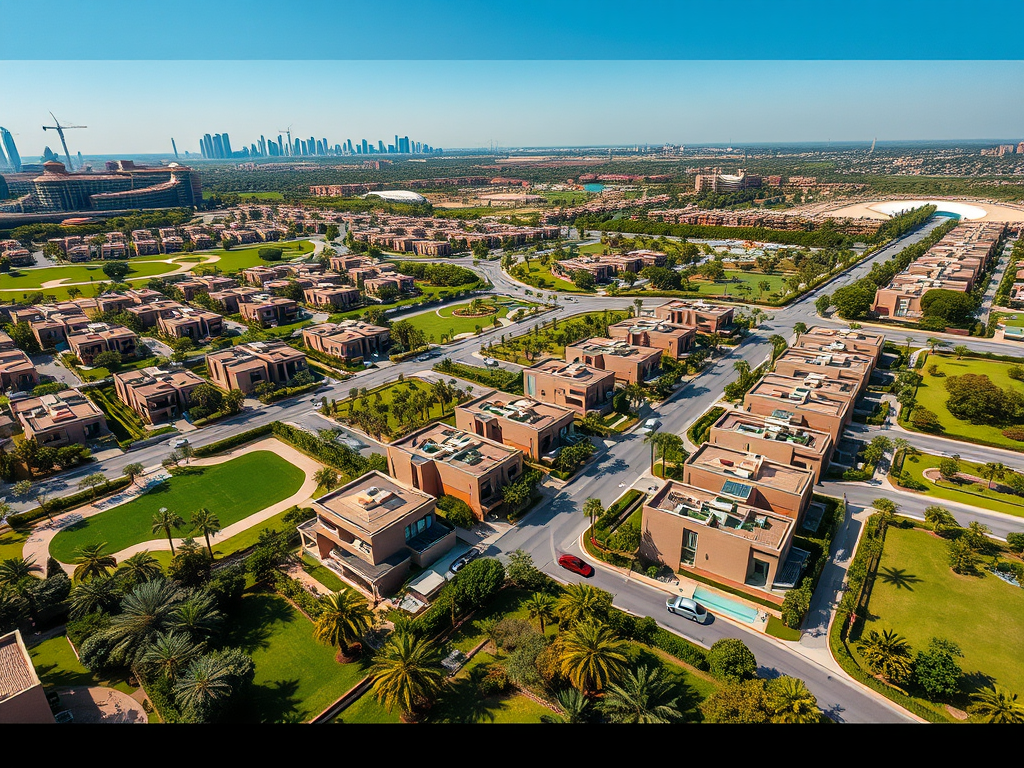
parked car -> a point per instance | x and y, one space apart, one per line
574 564
490 362
179 442
650 425
690 609
456 566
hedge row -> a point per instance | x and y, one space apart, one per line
701 428
234 441
63 503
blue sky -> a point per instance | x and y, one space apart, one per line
137 107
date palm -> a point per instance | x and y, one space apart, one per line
541 607
205 522
165 521
792 702
344 619
206 681
581 601
992 471
170 653
140 567
146 611
93 562
592 656
643 696
799 329
14 569
326 478
197 615
406 670
99 594
998 705
887 654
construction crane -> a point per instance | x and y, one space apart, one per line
287 130
60 132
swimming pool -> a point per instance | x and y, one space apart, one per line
730 608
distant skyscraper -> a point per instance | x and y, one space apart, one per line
380 146
297 148
405 145
175 148
227 144
280 145
327 147
365 147
218 146
263 145
398 147
206 145
350 150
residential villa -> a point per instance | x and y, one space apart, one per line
16 368
190 323
840 340
444 461
630 364
245 366
229 298
59 419
348 340
537 429
155 395
581 388
706 318
676 341
800 363
774 438
328 295
803 402
372 529
268 310
102 337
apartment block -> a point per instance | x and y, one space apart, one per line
630 364
149 314
103 337
206 284
245 366
775 438
441 460
60 419
327 295
602 270
579 387
802 403
348 339
372 529
842 340
268 310
692 529
676 341
402 283
230 298
190 323
155 395
751 478
801 363
537 429
706 318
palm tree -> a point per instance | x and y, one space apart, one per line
993 471
799 329
592 656
146 611
541 607
197 615
99 594
14 569
407 670
326 478
742 367
998 705
205 681
140 567
205 522
92 561
643 696
345 618
170 653
887 654
793 703
165 520
574 705
635 394
939 517
960 350
670 446
581 601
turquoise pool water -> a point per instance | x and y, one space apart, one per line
593 187
731 608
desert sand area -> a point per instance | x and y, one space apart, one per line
969 210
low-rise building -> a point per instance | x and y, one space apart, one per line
676 341
155 395
579 387
801 363
230 298
537 429
842 340
22 699
401 283
190 323
59 419
348 339
803 402
327 295
245 366
775 438
16 369
103 337
706 318
268 310
444 461
630 364
370 530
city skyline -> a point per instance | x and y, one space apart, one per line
525 103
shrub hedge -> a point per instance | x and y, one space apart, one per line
63 503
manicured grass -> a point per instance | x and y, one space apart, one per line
387 395
541 277
443 321
736 278
58 667
79 273
932 395
296 677
974 494
777 629
426 292
324 575
243 257
546 333
12 544
918 595
233 490
99 372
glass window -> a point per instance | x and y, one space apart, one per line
689 547
408 532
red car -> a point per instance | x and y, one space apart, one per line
574 564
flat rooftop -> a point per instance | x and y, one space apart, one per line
523 410
725 514
599 345
771 428
837 336
653 325
817 382
842 360
462 450
743 469
348 329
270 351
151 382
699 306
575 372
798 397
372 502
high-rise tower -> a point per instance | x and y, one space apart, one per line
13 158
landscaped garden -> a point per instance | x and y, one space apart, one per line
226 489
243 257
428 294
970 487
58 667
991 413
551 337
917 594
398 408
445 323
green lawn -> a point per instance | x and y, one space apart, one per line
426 292
99 372
541 277
58 667
12 544
296 677
918 595
387 394
974 494
25 279
932 395
435 322
736 278
243 257
510 350
324 575
226 489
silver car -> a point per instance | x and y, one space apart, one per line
684 606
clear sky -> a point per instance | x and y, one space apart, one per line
137 107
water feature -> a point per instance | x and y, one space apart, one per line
720 604
593 187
